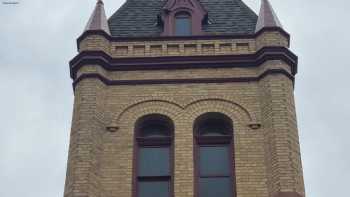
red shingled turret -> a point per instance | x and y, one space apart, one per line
267 17
98 19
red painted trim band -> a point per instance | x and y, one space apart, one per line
182 62
181 81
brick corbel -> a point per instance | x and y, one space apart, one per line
254 125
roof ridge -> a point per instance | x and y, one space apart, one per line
247 7
122 7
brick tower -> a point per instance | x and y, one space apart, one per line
184 98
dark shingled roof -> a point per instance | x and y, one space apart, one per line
139 18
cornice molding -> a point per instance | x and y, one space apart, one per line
107 81
182 62
176 38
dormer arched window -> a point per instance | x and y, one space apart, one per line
183 24
182 18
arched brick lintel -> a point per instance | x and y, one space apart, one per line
231 104
154 106
236 112
194 109
137 110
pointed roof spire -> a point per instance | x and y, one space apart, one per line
267 17
98 19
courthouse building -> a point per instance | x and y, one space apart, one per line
184 98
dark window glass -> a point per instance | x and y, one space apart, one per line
153 176
215 176
213 128
154 130
153 189
215 187
183 26
214 160
154 161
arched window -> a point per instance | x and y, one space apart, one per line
183 24
153 156
214 163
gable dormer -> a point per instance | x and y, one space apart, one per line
183 18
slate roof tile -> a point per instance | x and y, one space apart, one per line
139 18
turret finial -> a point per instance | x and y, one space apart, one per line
98 19
267 17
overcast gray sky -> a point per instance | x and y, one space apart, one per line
38 38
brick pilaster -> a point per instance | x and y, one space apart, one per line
281 136
82 171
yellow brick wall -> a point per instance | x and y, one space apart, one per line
267 159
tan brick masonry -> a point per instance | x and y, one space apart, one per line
267 158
